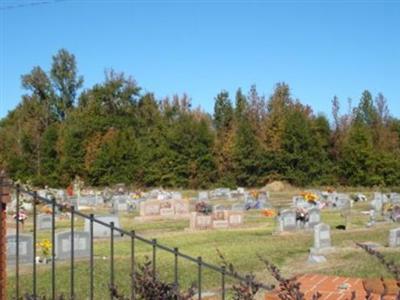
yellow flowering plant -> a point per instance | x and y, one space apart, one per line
45 247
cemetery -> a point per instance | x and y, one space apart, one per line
304 235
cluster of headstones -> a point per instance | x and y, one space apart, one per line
249 201
288 219
221 193
220 218
323 244
171 208
62 239
382 201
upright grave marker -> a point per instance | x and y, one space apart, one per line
44 221
287 220
81 244
314 217
25 248
394 237
99 230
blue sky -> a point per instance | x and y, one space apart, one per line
320 48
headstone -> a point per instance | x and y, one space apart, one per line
219 217
181 207
199 221
235 219
322 237
177 196
203 196
287 220
314 217
25 248
394 237
238 207
372 218
218 207
394 197
100 230
166 208
81 244
44 221
149 208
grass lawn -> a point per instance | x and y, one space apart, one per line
240 246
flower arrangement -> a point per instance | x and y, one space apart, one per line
269 213
45 247
21 217
203 208
310 197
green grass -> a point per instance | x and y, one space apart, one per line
240 246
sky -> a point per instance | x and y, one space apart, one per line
320 48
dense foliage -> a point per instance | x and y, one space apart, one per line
114 132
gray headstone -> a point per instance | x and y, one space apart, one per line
176 196
81 244
238 207
25 248
314 217
394 237
287 220
203 196
100 230
322 236
44 222
218 207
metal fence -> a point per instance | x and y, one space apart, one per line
134 238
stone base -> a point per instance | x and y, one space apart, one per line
316 259
321 251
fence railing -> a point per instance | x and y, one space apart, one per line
132 235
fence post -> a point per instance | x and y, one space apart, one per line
53 244
4 198
133 275
17 248
199 262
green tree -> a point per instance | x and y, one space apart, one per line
64 75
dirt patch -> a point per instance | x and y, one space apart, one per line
276 186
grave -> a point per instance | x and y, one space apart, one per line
203 196
25 248
314 217
322 239
44 222
81 244
100 230
238 207
287 220
160 209
200 221
394 237
219 219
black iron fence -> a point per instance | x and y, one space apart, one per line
155 246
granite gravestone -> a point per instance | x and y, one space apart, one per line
394 237
44 221
287 220
99 230
199 221
181 207
238 207
25 248
322 237
203 196
314 217
81 244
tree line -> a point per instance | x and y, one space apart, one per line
113 132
